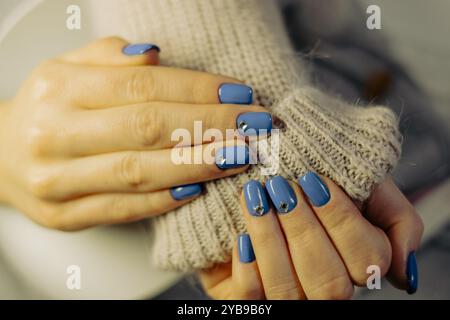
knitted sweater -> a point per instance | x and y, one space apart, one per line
354 146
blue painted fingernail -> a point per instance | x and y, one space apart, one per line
315 189
245 249
232 157
255 198
235 93
186 191
254 123
281 193
412 274
139 48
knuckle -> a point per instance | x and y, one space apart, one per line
262 236
146 127
301 235
140 86
45 81
341 219
129 170
338 288
41 183
38 140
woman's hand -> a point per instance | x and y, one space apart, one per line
310 241
87 139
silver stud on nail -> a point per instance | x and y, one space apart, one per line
221 161
243 125
284 206
259 210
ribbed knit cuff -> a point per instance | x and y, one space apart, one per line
354 146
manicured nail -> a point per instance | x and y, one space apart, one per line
139 48
412 274
232 157
254 123
255 198
315 189
245 249
186 191
282 195
235 93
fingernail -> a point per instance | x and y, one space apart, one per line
186 191
254 123
315 189
282 195
232 157
235 93
245 249
255 198
139 48
412 274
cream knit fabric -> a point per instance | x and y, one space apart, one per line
354 146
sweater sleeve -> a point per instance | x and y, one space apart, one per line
356 146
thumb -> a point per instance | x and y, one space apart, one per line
114 51
392 212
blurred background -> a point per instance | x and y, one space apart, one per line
405 65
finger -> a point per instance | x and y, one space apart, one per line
217 281
104 87
359 243
154 126
102 209
319 267
134 171
114 51
388 209
246 283
277 272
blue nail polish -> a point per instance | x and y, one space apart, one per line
254 123
139 48
186 191
315 189
232 157
412 274
255 198
245 249
281 193
234 93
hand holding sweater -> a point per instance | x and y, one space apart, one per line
355 146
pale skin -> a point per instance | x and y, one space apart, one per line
87 139
321 252
88 136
